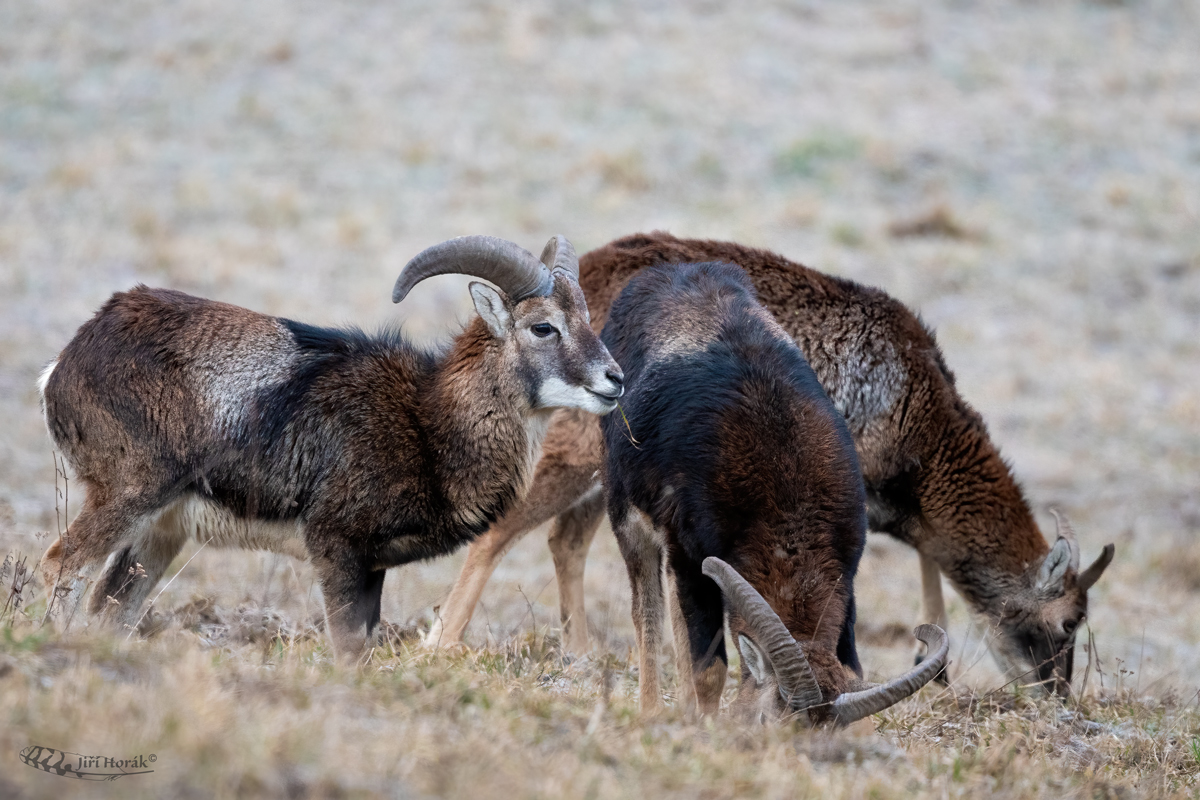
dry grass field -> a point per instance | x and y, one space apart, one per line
1026 175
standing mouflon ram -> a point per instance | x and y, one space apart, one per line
731 467
934 479
185 418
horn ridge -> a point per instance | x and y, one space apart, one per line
852 706
504 263
797 685
564 258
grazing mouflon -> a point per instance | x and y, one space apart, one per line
731 468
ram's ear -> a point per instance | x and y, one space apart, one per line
1054 567
1089 576
493 306
754 659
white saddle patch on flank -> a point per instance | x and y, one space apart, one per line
866 385
231 376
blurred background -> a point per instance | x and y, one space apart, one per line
1025 175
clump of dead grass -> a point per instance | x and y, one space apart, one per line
1108 740
15 577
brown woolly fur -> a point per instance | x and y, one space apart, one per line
934 479
186 418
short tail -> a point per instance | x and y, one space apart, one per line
44 379
42 382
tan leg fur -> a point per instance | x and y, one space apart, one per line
642 547
568 470
570 538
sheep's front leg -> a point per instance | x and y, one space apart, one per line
641 547
935 606
698 621
353 594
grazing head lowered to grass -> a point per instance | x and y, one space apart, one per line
185 417
934 478
733 473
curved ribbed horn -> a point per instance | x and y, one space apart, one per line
559 254
1065 531
1089 576
508 265
796 682
852 706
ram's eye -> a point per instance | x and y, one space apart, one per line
543 329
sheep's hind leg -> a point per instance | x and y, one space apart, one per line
104 524
570 539
133 571
64 590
